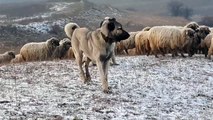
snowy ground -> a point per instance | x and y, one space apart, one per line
142 88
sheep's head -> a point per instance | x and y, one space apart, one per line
12 54
54 42
203 32
189 33
192 25
112 30
66 43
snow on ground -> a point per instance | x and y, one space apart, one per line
142 88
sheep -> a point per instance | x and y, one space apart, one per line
166 38
210 51
39 51
142 42
69 54
6 57
124 45
205 44
69 28
146 28
18 58
211 29
200 35
61 50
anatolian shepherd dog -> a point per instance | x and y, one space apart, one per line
97 46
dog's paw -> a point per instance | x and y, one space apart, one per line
112 64
108 91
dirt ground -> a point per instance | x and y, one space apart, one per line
142 88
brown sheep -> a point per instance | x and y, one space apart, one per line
205 44
6 57
39 51
18 58
69 28
200 35
62 49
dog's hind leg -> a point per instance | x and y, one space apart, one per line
88 77
103 69
79 60
113 59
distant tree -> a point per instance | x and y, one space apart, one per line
186 12
177 8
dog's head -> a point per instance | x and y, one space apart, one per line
112 30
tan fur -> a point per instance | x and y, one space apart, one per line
206 43
6 57
168 38
38 51
97 46
17 59
142 42
69 28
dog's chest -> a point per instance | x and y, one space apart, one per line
107 53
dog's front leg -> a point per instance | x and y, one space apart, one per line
88 77
103 70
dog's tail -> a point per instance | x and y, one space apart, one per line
69 29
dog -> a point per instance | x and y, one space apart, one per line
97 46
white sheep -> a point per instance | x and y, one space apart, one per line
39 51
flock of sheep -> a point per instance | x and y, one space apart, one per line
190 39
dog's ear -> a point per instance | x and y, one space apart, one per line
111 26
107 27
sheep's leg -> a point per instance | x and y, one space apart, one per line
162 51
174 53
182 53
155 53
205 51
88 77
209 54
103 70
126 50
